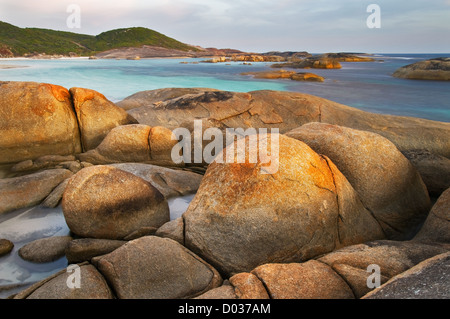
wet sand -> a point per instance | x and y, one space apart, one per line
6 66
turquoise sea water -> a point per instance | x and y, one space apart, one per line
367 86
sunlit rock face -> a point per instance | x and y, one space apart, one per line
241 218
36 119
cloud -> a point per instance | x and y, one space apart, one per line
315 25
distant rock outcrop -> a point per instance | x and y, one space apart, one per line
282 74
246 58
306 76
437 69
347 57
311 63
289 55
323 61
217 55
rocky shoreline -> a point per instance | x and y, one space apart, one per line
352 190
301 59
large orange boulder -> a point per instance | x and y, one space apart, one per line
96 116
36 119
387 183
245 214
108 203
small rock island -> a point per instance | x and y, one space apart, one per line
437 69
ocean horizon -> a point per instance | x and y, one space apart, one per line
368 86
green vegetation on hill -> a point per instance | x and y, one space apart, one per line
22 41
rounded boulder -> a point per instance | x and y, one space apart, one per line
97 116
248 214
106 202
36 119
387 183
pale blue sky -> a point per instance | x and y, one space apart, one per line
260 25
